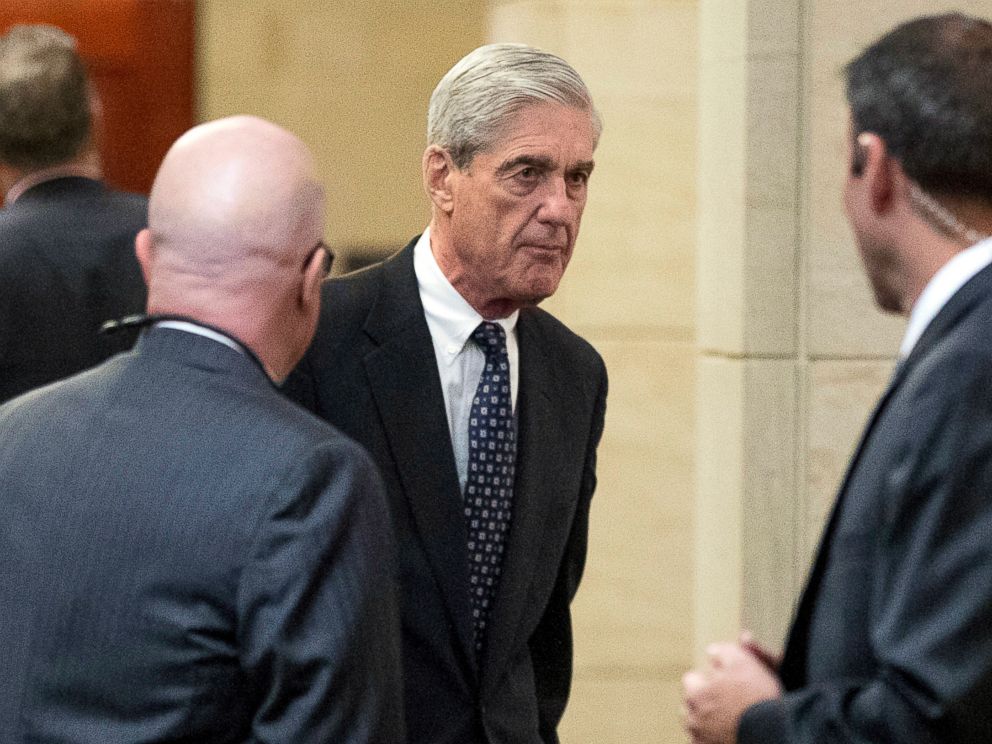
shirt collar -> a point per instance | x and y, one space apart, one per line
942 286
35 178
449 316
182 325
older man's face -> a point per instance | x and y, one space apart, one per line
516 208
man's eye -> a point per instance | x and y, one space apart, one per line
528 173
579 179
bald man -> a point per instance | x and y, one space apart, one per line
186 555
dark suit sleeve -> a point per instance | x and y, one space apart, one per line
551 643
300 387
931 608
318 620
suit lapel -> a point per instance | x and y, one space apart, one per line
403 376
793 667
542 427
974 291
963 301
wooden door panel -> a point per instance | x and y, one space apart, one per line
140 56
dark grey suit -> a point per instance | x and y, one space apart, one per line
892 642
371 371
66 265
189 557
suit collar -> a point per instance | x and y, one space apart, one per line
54 188
397 307
942 287
190 349
976 290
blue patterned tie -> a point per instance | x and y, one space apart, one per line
492 446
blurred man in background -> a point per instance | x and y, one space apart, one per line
66 240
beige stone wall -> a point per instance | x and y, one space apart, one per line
629 291
353 80
749 262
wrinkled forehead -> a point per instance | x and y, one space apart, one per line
551 130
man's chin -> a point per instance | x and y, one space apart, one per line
538 293
533 301
886 298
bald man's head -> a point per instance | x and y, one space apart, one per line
232 193
234 218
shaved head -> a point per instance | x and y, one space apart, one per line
234 215
229 196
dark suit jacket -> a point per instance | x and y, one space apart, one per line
372 372
892 641
189 557
66 265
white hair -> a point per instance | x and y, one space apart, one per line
472 104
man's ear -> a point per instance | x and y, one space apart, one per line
879 169
313 279
439 170
145 252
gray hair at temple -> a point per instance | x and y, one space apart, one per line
45 107
472 105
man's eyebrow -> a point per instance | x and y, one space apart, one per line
534 161
585 166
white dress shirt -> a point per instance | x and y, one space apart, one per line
460 361
182 325
942 286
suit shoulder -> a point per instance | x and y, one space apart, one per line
351 294
565 341
15 228
300 430
136 203
347 300
132 208
53 400
94 218
967 344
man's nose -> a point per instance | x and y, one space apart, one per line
558 206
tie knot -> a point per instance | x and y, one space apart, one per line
490 337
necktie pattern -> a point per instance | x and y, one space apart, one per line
492 446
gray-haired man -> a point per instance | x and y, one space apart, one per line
482 411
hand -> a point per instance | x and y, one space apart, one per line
716 697
765 655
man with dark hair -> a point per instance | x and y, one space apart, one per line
891 641
482 411
66 259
